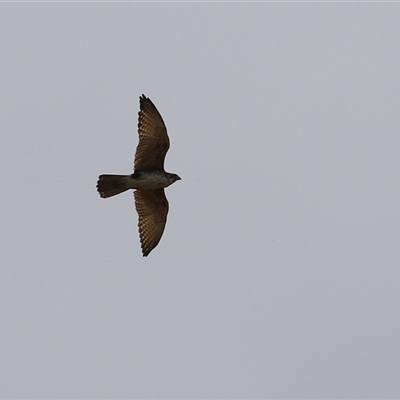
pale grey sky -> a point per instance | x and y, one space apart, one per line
278 273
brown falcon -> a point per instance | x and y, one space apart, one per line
149 177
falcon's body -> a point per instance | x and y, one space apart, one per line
149 177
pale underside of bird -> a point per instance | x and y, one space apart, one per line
149 177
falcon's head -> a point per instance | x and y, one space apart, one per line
173 178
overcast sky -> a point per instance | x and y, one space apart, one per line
278 273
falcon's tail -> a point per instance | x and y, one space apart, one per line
110 185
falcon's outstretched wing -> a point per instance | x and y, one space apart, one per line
152 207
153 138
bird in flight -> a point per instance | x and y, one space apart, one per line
149 177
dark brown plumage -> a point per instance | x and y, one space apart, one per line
152 207
153 138
149 177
